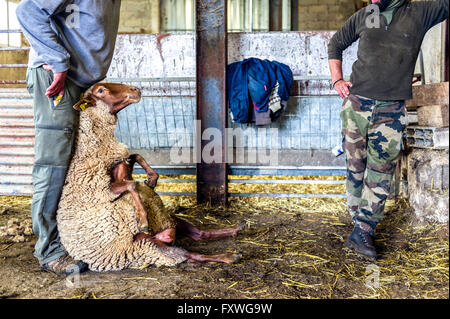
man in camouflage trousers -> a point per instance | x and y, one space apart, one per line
374 116
372 138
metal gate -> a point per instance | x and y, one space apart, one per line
164 67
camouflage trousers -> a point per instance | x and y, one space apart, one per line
372 139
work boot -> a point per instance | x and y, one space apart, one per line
361 241
65 265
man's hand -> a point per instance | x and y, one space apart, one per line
342 88
57 86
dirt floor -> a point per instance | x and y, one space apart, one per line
292 248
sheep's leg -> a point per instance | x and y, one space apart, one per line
187 229
193 232
223 258
228 258
130 186
148 237
122 182
166 236
152 176
121 172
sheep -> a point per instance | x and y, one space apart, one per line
102 210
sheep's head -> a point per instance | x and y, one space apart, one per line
114 95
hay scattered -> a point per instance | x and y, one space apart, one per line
293 248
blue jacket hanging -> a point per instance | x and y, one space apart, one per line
253 80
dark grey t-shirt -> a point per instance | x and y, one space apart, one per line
74 35
387 55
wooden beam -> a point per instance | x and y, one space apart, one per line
429 94
433 115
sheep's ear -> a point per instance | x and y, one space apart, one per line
84 103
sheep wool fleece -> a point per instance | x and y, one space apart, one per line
94 225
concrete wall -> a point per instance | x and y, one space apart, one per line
310 123
428 175
143 16
140 16
433 54
325 14
173 55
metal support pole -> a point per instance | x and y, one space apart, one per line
446 52
7 22
211 52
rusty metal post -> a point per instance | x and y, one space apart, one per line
446 52
211 53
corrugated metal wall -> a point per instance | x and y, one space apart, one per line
309 123
16 141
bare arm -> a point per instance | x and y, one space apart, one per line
340 41
340 85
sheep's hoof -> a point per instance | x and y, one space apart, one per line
149 184
144 230
141 236
242 226
235 258
239 228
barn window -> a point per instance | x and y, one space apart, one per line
243 15
8 21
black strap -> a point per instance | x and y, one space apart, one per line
341 79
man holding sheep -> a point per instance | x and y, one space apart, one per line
72 44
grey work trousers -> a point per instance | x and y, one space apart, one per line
54 137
